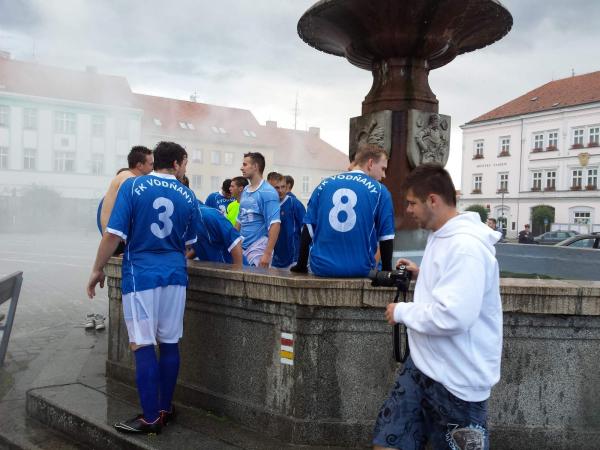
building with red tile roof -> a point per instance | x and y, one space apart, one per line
539 149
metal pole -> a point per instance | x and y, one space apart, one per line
502 212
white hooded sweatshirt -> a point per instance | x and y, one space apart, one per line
455 322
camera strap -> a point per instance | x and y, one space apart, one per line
401 348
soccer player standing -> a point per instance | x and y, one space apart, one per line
220 200
154 215
347 216
258 219
292 213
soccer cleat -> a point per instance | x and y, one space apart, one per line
89 322
166 416
99 322
138 425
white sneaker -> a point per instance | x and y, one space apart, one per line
99 321
89 322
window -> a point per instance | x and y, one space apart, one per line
536 181
478 152
214 129
503 182
505 146
29 158
228 158
218 130
98 126
552 140
182 125
198 155
196 181
64 122
578 137
249 133
157 122
305 184
215 183
592 178
190 126
538 141
3 157
215 157
582 217
122 128
30 118
4 116
97 164
550 180
477 181
576 178
222 130
594 136
64 162
584 243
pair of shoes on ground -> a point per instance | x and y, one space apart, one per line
94 321
138 425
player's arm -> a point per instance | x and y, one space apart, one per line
267 256
236 255
305 241
106 249
111 197
386 249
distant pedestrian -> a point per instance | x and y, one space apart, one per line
525 236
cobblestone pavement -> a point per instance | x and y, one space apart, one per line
51 309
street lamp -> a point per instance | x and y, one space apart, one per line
502 213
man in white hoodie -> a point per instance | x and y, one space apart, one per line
454 326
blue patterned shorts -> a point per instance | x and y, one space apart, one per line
420 409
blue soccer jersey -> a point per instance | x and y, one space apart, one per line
347 215
216 236
155 215
292 213
219 201
259 209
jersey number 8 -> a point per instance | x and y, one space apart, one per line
164 217
347 207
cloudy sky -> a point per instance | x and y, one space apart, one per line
247 54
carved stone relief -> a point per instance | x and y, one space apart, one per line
428 138
375 128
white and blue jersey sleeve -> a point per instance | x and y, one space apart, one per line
216 236
385 216
155 215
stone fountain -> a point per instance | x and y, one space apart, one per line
400 42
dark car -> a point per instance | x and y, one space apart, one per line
554 237
582 241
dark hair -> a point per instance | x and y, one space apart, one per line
493 220
289 180
240 181
428 179
122 169
137 155
257 158
166 153
185 181
275 176
226 184
368 151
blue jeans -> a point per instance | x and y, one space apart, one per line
420 409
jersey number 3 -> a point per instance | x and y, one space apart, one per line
347 207
164 217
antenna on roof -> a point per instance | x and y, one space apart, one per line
572 72
194 96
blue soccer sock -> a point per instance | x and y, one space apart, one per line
169 369
147 379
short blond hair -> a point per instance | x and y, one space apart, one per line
366 152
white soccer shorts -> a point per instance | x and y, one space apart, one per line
155 315
255 251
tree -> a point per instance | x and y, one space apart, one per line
479 209
538 214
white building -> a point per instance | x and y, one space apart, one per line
542 148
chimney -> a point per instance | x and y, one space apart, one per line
271 124
315 131
91 69
4 54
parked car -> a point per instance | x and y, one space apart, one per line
554 237
582 241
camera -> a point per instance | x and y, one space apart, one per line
399 278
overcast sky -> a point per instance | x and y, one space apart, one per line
247 54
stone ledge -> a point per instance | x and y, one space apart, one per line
565 297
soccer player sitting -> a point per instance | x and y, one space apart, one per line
220 200
347 215
154 215
258 220
218 240
292 212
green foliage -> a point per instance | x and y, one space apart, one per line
538 214
479 209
